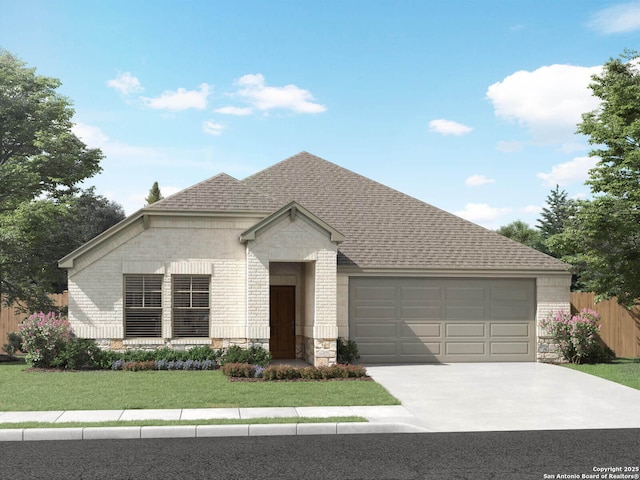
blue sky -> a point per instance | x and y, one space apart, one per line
468 105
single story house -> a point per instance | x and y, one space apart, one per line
304 252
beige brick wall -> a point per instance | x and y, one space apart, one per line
169 246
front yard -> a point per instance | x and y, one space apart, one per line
107 390
625 371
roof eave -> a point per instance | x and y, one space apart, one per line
144 214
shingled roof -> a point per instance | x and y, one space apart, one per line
220 193
384 228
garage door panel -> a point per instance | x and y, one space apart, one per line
510 312
510 330
519 291
421 330
377 294
376 330
463 294
374 311
411 319
465 348
510 348
417 349
410 311
465 330
471 312
422 294
377 348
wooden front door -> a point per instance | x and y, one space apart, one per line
282 320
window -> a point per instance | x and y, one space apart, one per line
191 305
143 305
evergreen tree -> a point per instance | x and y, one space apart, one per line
154 194
556 215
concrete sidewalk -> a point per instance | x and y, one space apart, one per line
381 419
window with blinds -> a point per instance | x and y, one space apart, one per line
191 305
143 305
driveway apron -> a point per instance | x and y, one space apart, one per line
508 396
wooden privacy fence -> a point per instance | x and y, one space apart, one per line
9 319
620 326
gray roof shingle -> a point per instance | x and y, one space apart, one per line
219 193
385 228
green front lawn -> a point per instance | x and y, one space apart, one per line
623 370
112 390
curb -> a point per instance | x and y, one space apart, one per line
203 431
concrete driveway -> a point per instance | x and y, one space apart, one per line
465 397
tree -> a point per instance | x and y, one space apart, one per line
40 157
557 214
154 194
37 234
607 229
521 232
89 216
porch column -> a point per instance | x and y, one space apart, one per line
257 299
325 327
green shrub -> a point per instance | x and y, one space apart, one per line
13 344
239 370
78 353
347 351
202 353
253 355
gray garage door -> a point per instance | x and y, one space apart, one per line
421 320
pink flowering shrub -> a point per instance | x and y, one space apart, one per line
44 337
577 336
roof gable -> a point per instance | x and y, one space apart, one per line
293 210
220 193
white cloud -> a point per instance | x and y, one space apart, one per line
621 18
253 89
181 99
532 209
126 84
212 128
92 136
477 180
510 146
448 127
548 101
239 111
481 212
577 170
